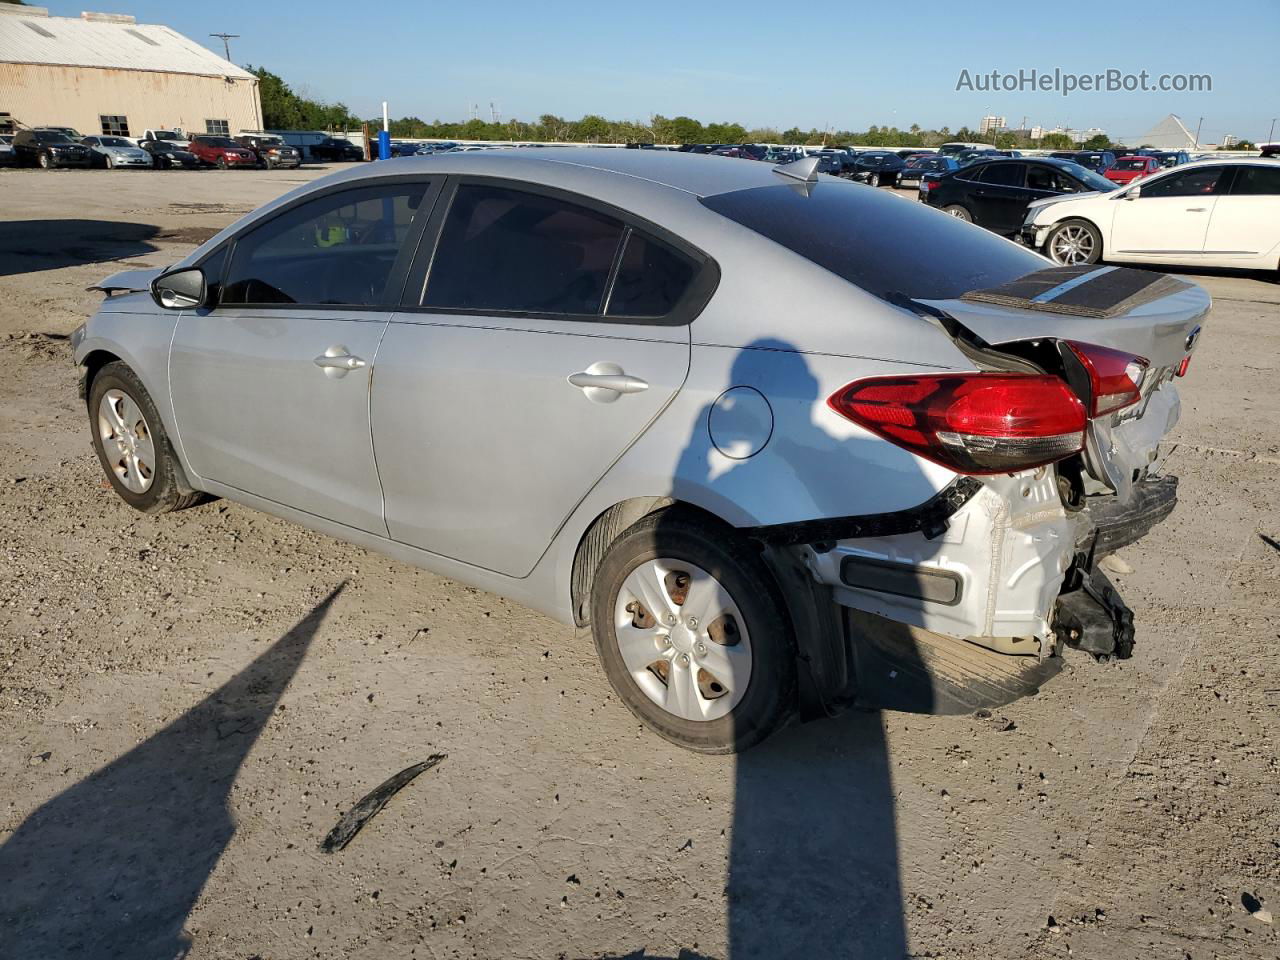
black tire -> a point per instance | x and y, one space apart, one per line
169 489
959 212
222 163
1082 229
770 696
45 161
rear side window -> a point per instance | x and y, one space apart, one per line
651 279
877 242
1002 174
512 251
338 249
1257 181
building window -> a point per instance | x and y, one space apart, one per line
6 123
220 127
114 126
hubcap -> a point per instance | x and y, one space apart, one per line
126 439
1072 245
682 639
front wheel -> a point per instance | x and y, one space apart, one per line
222 163
110 163
692 633
132 445
874 180
1074 242
45 163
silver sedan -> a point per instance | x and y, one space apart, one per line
750 424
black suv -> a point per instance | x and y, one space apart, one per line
271 151
49 148
335 148
995 193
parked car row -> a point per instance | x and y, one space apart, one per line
162 149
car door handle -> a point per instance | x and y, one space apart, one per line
1196 209
604 382
338 361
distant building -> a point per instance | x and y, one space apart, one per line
1169 134
107 74
991 124
1228 141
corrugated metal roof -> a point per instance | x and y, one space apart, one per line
67 41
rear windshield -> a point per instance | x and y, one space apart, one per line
1131 163
876 241
218 142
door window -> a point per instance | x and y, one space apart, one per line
506 250
1044 178
1256 181
1002 174
338 249
1187 183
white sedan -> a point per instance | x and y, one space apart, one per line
1212 213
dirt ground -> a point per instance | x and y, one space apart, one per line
189 702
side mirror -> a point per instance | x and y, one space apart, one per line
180 290
1133 193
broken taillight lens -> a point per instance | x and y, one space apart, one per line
974 423
1115 377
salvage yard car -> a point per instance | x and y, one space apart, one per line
271 151
50 148
169 153
1217 213
720 413
112 152
995 193
222 152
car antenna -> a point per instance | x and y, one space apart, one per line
805 171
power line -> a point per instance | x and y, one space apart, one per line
226 38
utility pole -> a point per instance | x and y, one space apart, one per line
1273 130
1198 133
226 44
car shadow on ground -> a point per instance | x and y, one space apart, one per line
813 867
112 866
29 246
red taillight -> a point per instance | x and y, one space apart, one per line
1182 367
1115 377
930 184
975 423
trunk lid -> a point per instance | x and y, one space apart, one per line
1151 316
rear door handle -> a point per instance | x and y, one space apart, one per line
1196 209
604 382
338 361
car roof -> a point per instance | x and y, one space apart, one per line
702 175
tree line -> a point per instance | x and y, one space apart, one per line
284 109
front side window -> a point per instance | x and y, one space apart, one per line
1256 181
338 249
1045 178
510 251
114 126
217 127
1188 183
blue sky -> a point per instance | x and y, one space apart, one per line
847 65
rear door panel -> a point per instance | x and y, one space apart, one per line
484 447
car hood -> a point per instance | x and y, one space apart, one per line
128 281
1050 201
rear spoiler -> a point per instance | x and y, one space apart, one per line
1086 290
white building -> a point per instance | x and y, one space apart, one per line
105 73
991 123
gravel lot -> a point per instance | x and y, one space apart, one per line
189 703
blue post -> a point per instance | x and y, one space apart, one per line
384 145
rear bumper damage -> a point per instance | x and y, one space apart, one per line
988 577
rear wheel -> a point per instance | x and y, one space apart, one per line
1074 242
132 444
692 633
959 212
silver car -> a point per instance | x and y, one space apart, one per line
763 432
115 152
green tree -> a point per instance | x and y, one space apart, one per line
592 129
1056 141
1099 141
282 109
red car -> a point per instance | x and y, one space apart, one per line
222 152
1128 169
